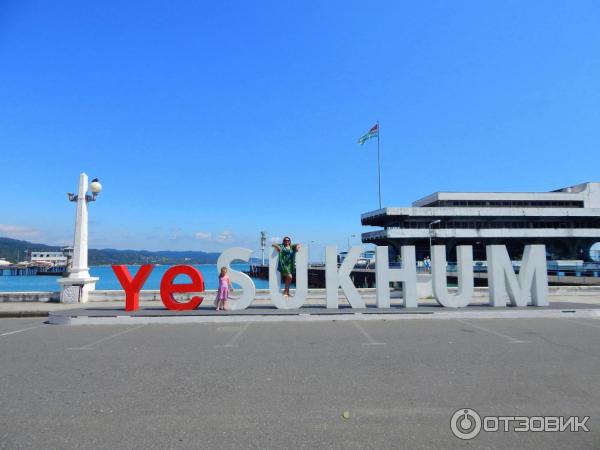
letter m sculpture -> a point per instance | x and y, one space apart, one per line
531 286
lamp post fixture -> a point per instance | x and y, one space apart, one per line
263 244
78 282
430 232
351 236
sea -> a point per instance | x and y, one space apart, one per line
108 280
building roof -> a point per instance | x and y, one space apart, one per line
587 192
457 211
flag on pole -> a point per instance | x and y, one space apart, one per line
373 132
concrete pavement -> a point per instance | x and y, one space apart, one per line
286 385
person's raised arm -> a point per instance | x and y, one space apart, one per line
276 247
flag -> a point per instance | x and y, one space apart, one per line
373 132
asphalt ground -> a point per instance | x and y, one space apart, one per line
287 385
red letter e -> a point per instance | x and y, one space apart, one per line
168 287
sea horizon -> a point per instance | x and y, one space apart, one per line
108 280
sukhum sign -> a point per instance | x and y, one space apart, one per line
529 287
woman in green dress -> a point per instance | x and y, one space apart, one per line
287 261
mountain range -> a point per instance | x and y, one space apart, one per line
14 250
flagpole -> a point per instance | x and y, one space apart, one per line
378 164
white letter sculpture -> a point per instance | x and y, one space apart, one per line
301 293
407 275
532 283
248 288
464 257
335 278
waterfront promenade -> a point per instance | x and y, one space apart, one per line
29 306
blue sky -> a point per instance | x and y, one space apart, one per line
209 121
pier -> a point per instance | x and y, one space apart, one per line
18 270
364 278
14 270
577 275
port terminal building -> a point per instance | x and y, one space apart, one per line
54 258
566 220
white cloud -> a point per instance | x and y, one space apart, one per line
223 237
275 239
18 232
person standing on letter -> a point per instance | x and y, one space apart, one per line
287 261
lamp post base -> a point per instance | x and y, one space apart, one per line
76 290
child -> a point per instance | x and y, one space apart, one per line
224 288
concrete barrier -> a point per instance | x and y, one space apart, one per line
43 297
263 294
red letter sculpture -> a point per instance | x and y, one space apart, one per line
167 288
132 287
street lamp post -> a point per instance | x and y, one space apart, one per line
78 283
430 232
351 236
263 244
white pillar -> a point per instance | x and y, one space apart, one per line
78 283
79 266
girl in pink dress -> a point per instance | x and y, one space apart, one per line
224 288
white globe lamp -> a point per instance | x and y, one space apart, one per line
95 186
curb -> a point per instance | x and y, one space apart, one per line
22 314
68 319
